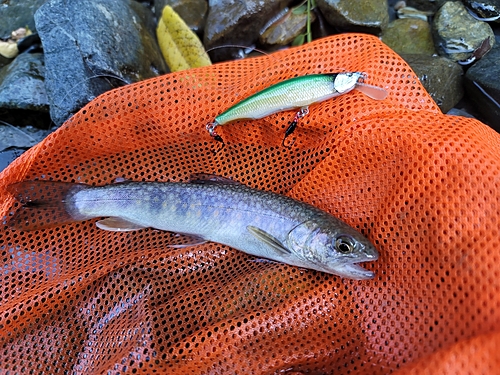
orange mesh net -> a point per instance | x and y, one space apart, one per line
421 185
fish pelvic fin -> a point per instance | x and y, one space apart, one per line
268 239
117 224
43 204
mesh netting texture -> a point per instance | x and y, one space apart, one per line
422 186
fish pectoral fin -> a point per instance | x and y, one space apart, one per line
268 239
180 241
117 224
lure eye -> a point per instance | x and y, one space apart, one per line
345 244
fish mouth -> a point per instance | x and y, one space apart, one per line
352 271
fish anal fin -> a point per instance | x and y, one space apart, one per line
181 241
117 224
211 179
268 239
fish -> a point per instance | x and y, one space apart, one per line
207 208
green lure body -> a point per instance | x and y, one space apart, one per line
290 94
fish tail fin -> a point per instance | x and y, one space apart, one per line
42 204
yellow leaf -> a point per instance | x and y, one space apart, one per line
180 47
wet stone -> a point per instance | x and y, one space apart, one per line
17 13
409 36
192 12
286 28
457 35
370 16
22 87
441 77
91 47
20 136
482 85
426 5
237 23
487 10
14 141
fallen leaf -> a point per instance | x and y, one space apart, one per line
181 48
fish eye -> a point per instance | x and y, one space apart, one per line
345 244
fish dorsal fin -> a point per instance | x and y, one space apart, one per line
121 180
181 241
117 224
211 179
268 239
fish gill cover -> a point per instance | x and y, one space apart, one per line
422 186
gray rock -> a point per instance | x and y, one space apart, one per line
9 154
15 140
409 36
482 85
23 99
457 35
17 13
370 16
91 47
193 12
24 136
22 84
441 77
232 22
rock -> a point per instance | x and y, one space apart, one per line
15 140
370 16
193 12
89 51
286 28
31 43
4 61
457 35
441 77
17 13
426 5
409 36
10 154
20 137
22 87
482 85
410 12
237 23
485 10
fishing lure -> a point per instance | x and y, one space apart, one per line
298 92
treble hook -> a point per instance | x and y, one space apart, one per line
304 111
211 130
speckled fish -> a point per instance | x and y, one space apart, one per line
211 208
